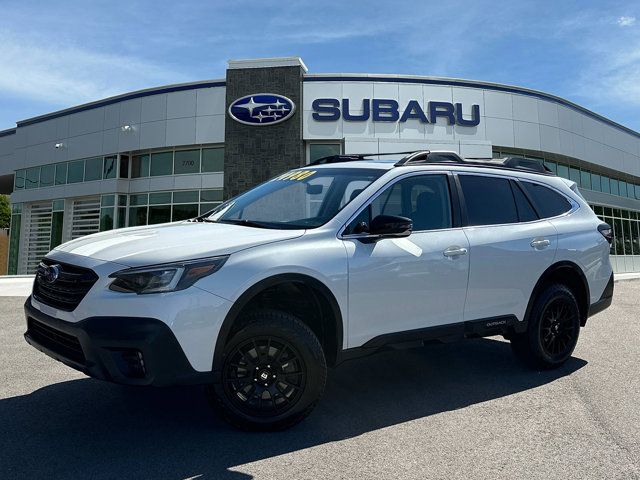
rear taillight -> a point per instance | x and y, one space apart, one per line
606 231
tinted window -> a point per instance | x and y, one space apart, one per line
424 199
489 200
526 213
547 202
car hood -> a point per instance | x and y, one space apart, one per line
170 242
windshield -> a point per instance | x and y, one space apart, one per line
304 198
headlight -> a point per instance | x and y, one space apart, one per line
167 277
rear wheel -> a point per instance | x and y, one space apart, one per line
273 373
553 329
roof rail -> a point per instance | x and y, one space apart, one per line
423 157
522 163
429 156
352 157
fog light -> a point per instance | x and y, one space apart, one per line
130 363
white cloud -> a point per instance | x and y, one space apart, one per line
626 21
64 75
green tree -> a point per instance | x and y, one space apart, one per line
5 212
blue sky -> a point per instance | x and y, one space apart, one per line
59 54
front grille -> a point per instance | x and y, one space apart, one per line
55 340
67 290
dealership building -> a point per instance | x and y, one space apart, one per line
169 153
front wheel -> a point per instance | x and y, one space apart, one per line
273 373
553 329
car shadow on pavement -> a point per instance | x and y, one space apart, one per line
91 429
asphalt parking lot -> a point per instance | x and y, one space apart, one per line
463 410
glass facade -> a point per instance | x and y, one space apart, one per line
588 179
319 150
161 163
161 207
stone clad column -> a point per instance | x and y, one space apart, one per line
255 153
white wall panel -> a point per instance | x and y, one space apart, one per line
439 131
437 93
153 134
110 141
161 183
525 108
130 111
386 91
181 104
593 129
60 154
468 133
475 150
566 142
38 154
357 129
526 135
550 139
313 90
89 145
187 182
412 128
386 129
408 92
497 105
129 140
212 180
181 131
89 121
468 97
41 132
210 129
211 101
578 145
7 145
20 137
312 129
499 131
356 92
139 185
112 116
631 164
154 107
548 113
62 127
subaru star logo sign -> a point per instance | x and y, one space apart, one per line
262 109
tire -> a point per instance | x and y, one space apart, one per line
273 373
553 329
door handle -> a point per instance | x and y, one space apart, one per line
454 251
540 243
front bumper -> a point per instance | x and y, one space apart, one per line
127 350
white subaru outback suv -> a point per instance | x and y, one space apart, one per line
334 260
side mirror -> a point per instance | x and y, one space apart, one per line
391 226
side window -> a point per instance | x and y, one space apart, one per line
526 213
424 199
548 203
488 200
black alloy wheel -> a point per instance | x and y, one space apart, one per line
264 375
272 373
552 330
557 327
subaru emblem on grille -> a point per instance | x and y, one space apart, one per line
49 273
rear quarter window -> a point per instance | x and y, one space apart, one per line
488 200
547 202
